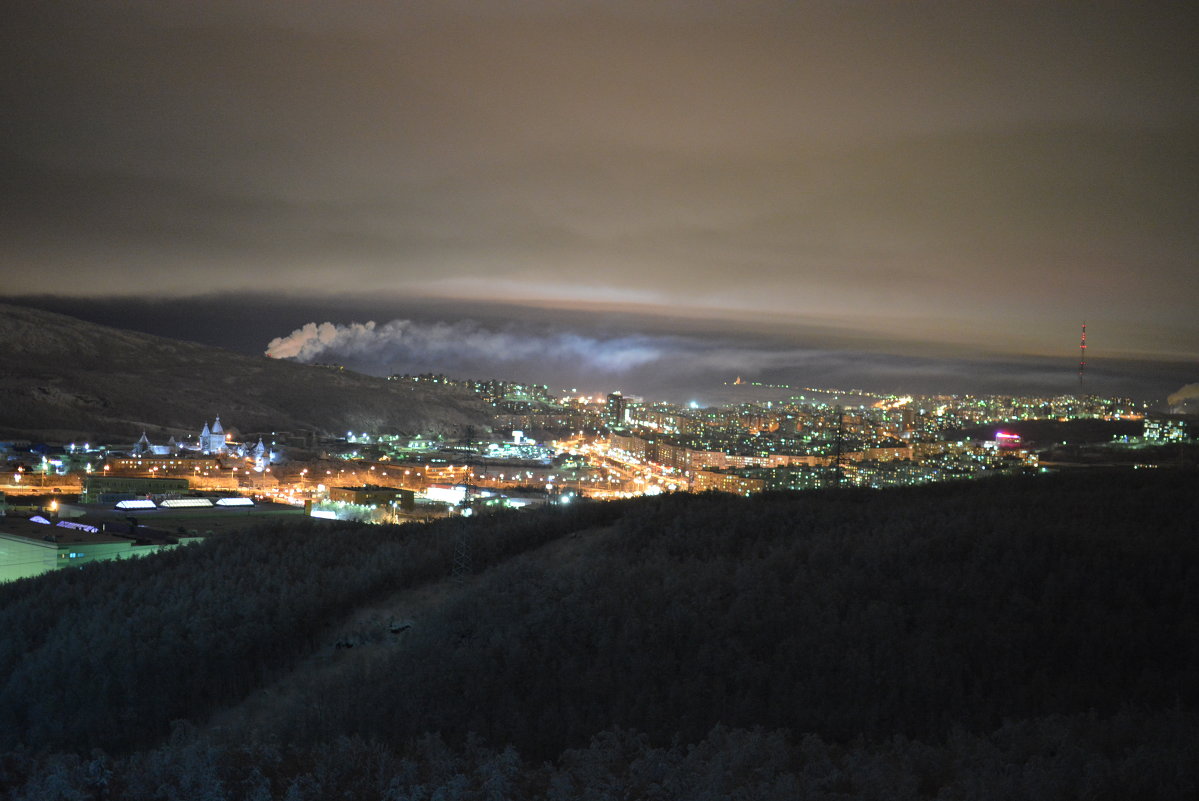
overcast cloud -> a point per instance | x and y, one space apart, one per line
974 172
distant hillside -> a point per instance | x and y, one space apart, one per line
1048 432
62 378
1024 638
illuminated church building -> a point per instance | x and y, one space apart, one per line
213 441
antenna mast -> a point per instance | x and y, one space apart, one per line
1082 356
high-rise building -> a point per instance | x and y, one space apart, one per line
616 408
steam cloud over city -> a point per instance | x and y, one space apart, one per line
677 365
462 343
532 352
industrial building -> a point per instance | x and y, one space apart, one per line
110 489
371 495
36 545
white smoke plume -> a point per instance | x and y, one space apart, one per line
641 361
1184 394
550 354
404 342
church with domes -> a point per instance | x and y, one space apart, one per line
212 440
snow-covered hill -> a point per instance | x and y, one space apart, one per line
62 378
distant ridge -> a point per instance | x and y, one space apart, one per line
63 378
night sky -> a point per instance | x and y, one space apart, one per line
867 192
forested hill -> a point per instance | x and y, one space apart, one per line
1023 638
63 378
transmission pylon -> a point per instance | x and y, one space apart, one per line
462 549
462 566
838 472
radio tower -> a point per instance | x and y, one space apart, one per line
1082 356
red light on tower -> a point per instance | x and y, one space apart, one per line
1082 354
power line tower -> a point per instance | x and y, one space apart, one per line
462 549
462 555
838 472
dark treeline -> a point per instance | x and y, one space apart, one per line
1133 755
112 653
1033 638
864 613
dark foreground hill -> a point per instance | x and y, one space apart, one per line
1032 638
62 378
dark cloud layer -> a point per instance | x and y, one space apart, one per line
671 358
987 174
681 367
